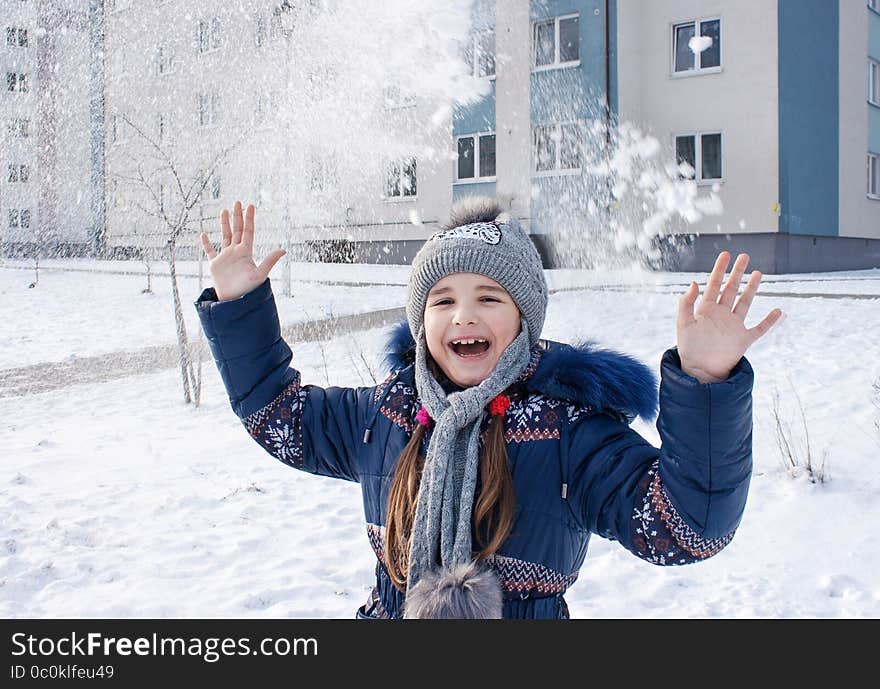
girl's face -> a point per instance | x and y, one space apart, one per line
464 307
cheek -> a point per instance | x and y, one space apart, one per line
433 334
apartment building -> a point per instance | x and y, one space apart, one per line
772 104
50 186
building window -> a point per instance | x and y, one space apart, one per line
215 186
556 42
118 129
16 81
260 30
874 5
692 51
874 176
209 109
164 60
17 172
556 148
164 127
209 35
479 53
19 128
699 156
16 38
323 173
874 82
476 158
19 217
401 180
394 97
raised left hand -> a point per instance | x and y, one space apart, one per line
712 340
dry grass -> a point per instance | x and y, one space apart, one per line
793 442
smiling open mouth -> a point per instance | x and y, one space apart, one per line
468 348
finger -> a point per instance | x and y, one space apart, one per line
237 223
728 296
764 326
247 236
269 262
745 299
225 230
686 304
207 246
710 295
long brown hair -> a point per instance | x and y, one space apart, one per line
493 508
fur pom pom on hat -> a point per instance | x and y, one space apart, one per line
480 238
467 591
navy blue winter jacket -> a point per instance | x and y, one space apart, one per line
578 468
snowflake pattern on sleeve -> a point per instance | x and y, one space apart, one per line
278 425
660 535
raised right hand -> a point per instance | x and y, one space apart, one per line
233 269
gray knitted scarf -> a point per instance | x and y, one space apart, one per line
441 533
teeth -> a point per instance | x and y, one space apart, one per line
468 341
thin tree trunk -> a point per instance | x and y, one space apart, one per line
181 327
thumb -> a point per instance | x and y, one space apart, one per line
269 262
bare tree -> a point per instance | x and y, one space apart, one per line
174 211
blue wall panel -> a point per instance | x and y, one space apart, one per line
809 116
568 94
476 117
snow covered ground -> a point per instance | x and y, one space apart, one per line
118 500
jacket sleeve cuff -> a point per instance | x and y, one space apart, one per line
239 326
706 434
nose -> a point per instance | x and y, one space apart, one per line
464 315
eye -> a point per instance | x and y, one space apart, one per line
490 299
441 302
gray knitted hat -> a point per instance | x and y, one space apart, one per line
480 239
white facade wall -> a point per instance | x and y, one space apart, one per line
273 165
57 151
859 215
513 43
15 150
740 101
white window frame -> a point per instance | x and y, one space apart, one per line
557 170
476 52
165 127
15 218
261 30
212 110
19 128
873 177
698 155
118 131
556 64
394 100
874 82
400 164
17 173
323 173
165 62
697 70
20 83
16 33
476 179
213 35
874 5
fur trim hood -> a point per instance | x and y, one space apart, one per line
582 374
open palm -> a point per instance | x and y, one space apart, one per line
233 269
712 339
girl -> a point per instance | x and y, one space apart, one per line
489 456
